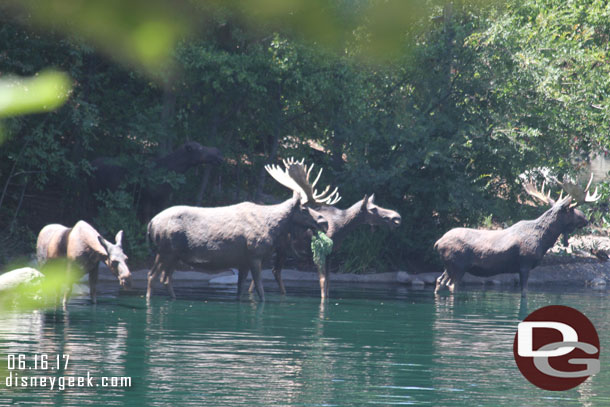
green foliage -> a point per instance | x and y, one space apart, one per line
597 213
321 246
457 101
364 252
116 211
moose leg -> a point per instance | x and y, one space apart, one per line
450 278
441 281
241 279
154 271
255 269
323 274
280 257
455 279
169 283
69 280
524 273
67 295
93 272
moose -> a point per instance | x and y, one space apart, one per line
516 249
237 236
85 246
340 221
106 175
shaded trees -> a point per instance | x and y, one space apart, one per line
438 124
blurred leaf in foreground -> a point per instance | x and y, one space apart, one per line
141 33
42 93
27 288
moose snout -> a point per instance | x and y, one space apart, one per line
124 276
395 221
322 224
125 282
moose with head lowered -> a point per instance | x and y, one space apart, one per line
516 249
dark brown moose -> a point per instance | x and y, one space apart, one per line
85 246
237 236
516 249
340 221
106 175
109 176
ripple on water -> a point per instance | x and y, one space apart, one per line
379 345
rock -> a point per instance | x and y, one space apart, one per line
21 278
403 277
598 282
429 278
225 280
418 284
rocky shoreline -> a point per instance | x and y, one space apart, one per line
573 265
578 271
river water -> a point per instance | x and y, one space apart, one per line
367 345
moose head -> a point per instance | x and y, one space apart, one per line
376 215
116 259
565 208
195 153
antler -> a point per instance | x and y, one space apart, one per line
284 178
578 193
300 173
543 197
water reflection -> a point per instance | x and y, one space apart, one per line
371 345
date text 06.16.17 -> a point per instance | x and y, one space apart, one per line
37 361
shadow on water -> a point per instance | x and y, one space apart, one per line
366 345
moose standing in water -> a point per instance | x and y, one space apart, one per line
516 249
340 221
85 246
238 235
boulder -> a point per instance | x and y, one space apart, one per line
25 278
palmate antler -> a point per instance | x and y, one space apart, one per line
573 190
300 173
284 178
579 194
540 195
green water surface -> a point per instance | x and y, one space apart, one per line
367 345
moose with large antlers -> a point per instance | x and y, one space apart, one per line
516 249
340 221
237 236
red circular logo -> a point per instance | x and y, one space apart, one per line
556 348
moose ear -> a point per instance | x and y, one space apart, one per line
372 198
119 238
365 202
103 243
